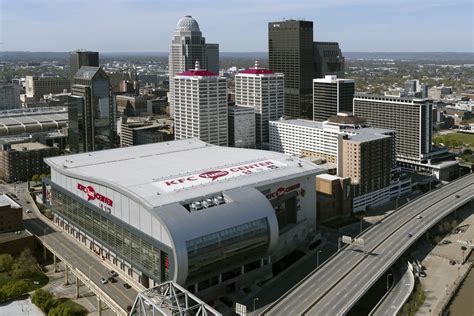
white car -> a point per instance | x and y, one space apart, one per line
28 211
103 280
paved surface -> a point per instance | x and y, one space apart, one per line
335 287
393 302
84 260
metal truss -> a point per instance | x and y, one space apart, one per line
170 298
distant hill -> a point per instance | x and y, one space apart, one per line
425 56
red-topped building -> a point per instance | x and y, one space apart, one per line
200 101
263 90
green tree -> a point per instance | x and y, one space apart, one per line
35 177
43 299
6 262
15 288
24 266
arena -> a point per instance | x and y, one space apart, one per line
210 218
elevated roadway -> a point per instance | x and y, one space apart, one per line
337 285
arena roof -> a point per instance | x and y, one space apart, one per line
163 173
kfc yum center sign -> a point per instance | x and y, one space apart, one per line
217 175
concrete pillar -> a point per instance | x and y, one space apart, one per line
261 263
66 275
196 288
55 263
78 284
99 306
242 270
220 278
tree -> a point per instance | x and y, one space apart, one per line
35 177
24 266
15 288
6 262
43 299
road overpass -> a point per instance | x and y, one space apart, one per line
335 287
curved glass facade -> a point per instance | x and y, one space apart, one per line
228 247
132 248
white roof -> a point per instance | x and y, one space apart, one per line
162 173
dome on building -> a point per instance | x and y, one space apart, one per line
188 24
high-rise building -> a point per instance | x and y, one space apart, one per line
263 90
328 60
412 86
37 87
91 111
409 117
200 100
188 46
290 51
9 96
241 126
78 59
332 95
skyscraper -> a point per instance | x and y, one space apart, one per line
328 60
263 90
200 101
91 111
241 126
409 117
188 46
78 59
9 96
290 51
332 95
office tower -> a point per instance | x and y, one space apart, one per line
409 117
9 96
200 101
290 51
37 87
241 126
412 86
263 90
424 90
91 111
332 95
79 58
188 46
328 60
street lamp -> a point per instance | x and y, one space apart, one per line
317 258
254 301
387 279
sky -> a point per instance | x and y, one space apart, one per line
236 25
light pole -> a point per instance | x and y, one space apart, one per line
254 301
387 279
317 258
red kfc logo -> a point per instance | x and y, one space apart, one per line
214 175
92 195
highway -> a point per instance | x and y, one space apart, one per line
87 262
337 285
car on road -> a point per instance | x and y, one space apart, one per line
103 280
419 217
126 285
28 202
28 211
452 262
410 235
112 280
113 273
457 196
445 242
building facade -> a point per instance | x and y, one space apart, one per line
209 218
91 111
78 59
20 162
131 105
37 87
200 99
332 95
411 118
242 126
141 133
11 215
188 46
328 60
9 96
263 90
290 51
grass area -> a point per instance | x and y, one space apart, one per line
455 140
415 301
73 307
52 306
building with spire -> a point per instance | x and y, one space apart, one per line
200 101
188 46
